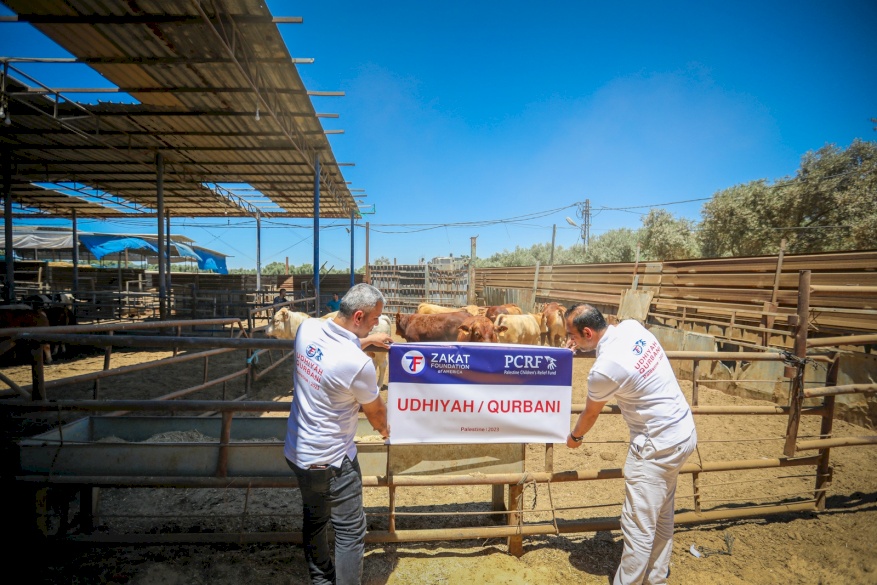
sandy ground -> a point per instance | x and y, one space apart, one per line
834 546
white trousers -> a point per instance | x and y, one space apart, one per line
647 512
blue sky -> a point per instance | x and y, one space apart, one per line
462 112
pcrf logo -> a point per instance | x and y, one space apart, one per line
638 346
413 362
526 361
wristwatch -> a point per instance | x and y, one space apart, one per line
575 438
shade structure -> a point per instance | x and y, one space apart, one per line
219 97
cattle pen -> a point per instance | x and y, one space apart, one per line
72 461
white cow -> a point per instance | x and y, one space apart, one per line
285 323
381 358
523 329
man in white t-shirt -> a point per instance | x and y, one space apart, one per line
333 380
631 366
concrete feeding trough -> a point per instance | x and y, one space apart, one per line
189 447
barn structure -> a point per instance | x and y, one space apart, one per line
220 103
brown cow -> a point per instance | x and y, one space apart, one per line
507 309
22 316
553 328
478 329
441 327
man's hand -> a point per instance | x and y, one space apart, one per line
376 339
571 443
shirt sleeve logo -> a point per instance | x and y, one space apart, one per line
638 346
413 362
314 352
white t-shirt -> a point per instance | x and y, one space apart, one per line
333 376
631 366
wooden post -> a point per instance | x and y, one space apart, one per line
767 321
89 496
695 373
695 481
535 284
635 270
391 519
823 469
37 373
224 439
108 353
516 542
796 392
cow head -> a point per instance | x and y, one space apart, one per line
401 323
494 311
477 329
278 322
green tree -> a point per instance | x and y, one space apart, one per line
665 237
273 268
741 221
618 245
829 205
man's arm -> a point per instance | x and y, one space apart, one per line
379 339
376 413
585 422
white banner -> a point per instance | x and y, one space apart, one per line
479 393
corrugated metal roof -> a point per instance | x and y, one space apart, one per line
201 71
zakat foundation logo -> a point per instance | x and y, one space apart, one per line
314 352
413 362
638 346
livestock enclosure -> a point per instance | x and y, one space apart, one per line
79 457
131 294
724 304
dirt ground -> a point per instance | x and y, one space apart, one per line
832 547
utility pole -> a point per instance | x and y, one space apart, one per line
586 224
553 235
585 214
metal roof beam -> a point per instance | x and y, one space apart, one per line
190 113
121 178
92 19
75 163
155 60
167 89
168 148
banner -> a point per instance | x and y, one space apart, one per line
479 393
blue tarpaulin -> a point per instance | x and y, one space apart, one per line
101 245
